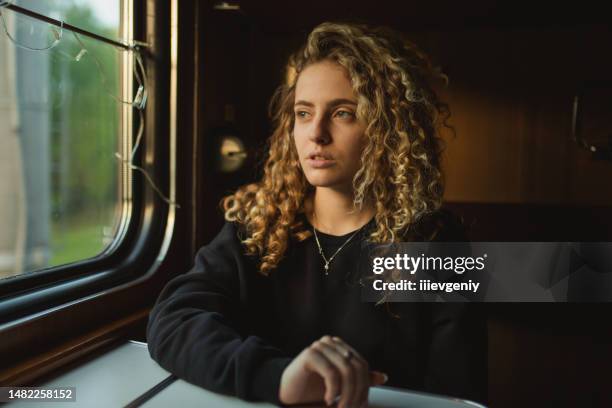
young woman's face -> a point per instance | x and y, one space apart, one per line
328 137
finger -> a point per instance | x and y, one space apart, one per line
344 366
377 378
347 371
338 341
361 366
362 382
362 369
318 363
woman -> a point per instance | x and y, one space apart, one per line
270 311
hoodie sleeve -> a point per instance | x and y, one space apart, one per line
195 329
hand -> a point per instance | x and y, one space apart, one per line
327 369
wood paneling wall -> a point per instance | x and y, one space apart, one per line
511 94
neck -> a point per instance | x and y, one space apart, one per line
332 212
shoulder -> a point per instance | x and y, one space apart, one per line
227 244
440 225
230 234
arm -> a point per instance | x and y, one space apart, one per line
194 328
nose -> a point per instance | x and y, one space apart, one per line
319 131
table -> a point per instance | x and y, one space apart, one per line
121 376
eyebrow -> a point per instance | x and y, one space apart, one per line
334 102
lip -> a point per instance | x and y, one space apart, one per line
320 160
320 163
318 155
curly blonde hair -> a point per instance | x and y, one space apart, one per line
400 164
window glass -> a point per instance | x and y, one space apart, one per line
104 15
62 124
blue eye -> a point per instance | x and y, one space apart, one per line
344 114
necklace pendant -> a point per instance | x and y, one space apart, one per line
327 261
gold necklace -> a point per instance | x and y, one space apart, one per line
328 261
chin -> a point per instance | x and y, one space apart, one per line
323 181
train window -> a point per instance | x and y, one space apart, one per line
87 154
66 109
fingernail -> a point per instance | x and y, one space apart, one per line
385 378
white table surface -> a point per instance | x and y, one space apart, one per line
185 395
119 376
112 379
